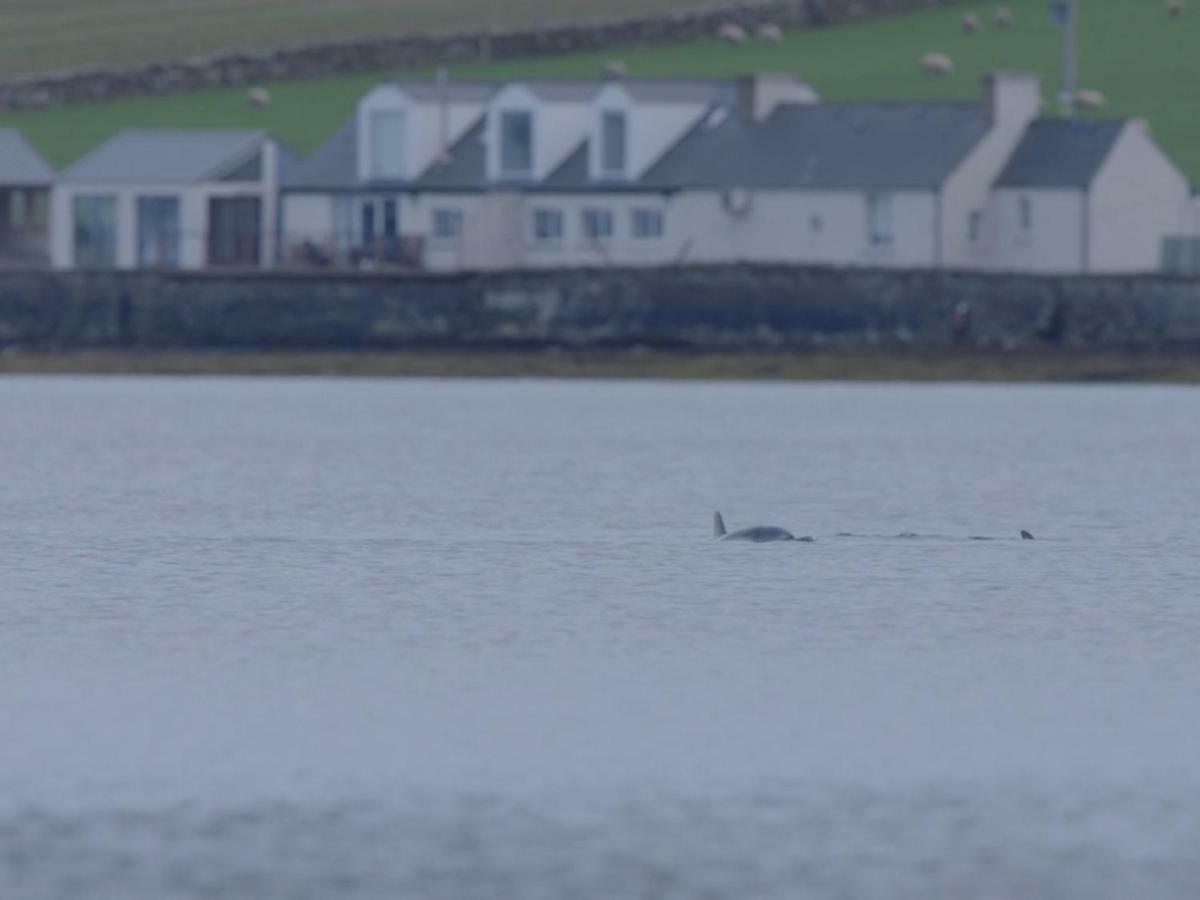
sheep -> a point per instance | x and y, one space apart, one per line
770 34
937 64
970 23
615 68
1174 7
1003 17
1089 99
732 33
258 97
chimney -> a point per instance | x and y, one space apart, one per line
1012 98
760 94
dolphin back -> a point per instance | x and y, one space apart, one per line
718 525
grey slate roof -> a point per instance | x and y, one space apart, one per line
332 167
20 164
465 165
884 145
1062 153
166 155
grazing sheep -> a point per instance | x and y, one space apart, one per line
770 34
970 23
615 68
1174 7
1003 17
732 33
1089 99
258 97
937 64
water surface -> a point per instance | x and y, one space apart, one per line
316 638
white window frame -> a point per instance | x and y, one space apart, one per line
606 170
541 216
640 217
598 224
443 215
880 228
389 166
526 172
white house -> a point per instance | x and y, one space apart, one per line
187 199
25 180
474 175
1083 195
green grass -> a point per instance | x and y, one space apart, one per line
1146 63
42 35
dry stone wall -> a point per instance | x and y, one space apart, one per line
414 51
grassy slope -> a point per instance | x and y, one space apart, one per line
1146 63
41 35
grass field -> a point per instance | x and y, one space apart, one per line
1147 64
42 35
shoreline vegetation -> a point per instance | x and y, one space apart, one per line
974 365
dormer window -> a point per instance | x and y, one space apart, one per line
516 144
613 133
387 144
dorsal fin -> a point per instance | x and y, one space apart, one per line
718 525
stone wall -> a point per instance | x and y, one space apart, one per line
703 308
402 52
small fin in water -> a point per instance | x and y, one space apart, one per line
1026 536
718 525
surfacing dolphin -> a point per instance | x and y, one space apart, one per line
758 534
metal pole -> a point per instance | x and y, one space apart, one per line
1070 58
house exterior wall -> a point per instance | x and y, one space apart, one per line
825 227
1138 199
1014 100
193 214
1054 243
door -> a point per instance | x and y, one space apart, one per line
234 231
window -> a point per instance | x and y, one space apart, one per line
447 224
879 220
234 231
343 223
816 223
158 232
547 226
597 224
1025 214
95 231
387 145
612 143
516 143
647 224
974 226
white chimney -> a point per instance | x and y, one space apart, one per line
1012 97
758 95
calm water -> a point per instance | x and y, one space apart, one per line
268 639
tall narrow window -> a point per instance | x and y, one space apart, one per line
1025 214
612 143
387 144
95 231
516 143
158 232
879 220
974 226
447 224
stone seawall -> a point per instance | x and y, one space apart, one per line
416 51
700 308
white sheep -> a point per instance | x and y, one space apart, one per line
770 34
258 97
1003 17
937 64
1090 99
732 33
970 23
615 68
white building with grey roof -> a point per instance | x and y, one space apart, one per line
170 199
25 182
478 175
